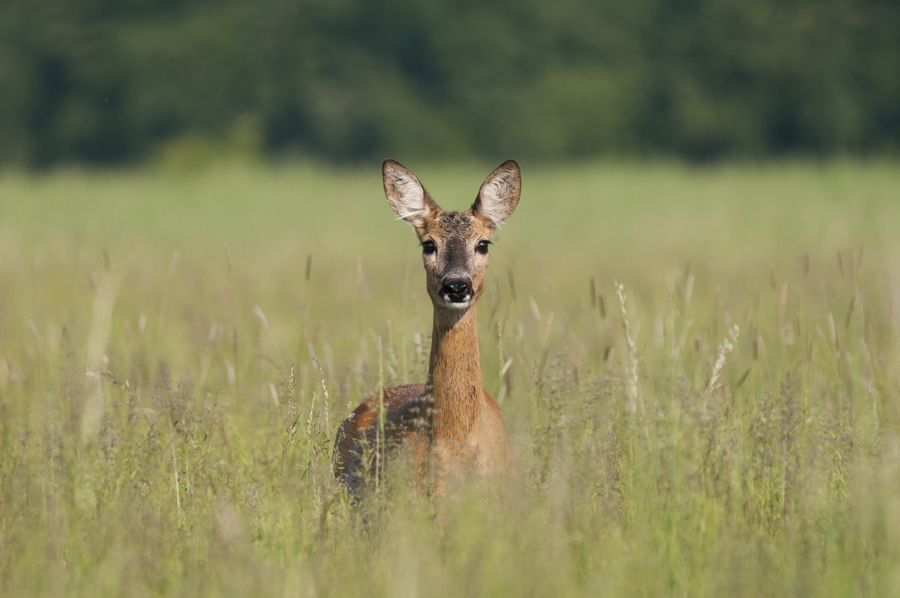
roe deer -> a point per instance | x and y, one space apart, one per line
449 426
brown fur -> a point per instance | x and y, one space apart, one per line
448 427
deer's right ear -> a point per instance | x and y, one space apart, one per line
407 196
499 195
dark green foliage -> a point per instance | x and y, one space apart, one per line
98 81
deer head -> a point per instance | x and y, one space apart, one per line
454 244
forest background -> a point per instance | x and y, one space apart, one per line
95 81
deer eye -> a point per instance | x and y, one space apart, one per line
428 247
482 247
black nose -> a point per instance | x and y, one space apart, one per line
457 289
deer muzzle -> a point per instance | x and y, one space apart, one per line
457 292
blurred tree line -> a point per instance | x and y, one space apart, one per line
114 81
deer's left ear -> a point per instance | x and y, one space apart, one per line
406 195
499 194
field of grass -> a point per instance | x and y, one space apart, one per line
725 423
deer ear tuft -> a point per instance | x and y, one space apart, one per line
499 195
406 195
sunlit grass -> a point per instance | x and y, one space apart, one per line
163 429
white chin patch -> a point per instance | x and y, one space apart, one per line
460 305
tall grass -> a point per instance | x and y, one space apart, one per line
177 351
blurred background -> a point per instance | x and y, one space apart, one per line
126 82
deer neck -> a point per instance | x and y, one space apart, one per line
454 372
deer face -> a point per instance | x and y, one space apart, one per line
455 254
454 244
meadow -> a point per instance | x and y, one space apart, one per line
699 368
